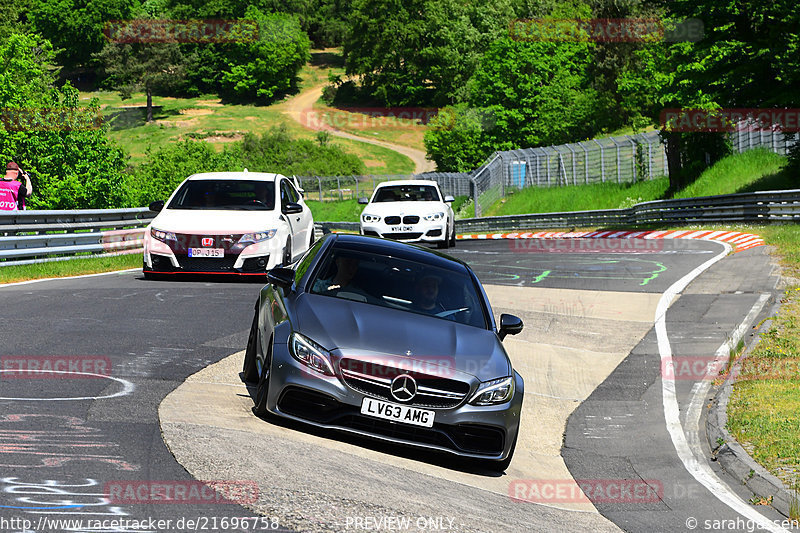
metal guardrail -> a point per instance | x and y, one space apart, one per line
764 207
38 236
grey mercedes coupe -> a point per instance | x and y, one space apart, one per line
390 341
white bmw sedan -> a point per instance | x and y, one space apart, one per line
409 211
228 223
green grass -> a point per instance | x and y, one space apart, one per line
206 116
72 267
754 170
341 211
578 198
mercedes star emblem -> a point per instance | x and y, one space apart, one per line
404 388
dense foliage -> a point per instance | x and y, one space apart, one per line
47 131
497 89
275 151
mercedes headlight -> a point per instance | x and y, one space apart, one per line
434 216
494 392
162 236
259 236
370 218
310 354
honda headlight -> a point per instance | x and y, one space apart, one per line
259 236
310 354
370 218
432 217
494 392
162 236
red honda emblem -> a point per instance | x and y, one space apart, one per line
207 241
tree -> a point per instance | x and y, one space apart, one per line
522 94
46 130
149 67
419 52
75 27
268 66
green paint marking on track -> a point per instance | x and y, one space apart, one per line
541 276
655 274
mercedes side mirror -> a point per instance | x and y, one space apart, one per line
363 200
449 199
281 277
156 206
509 325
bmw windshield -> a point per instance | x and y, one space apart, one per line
225 194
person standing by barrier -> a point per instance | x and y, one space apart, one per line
13 192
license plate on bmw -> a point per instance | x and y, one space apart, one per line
402 229
397 413
206 252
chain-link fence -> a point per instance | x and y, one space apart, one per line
622 159
749 135
332 188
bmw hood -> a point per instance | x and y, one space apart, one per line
212 221
405 208
363 330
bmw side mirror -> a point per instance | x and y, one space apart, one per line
281 277
363 200
449 199
156 206
292 208
509 325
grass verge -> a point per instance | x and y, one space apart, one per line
72 267
764 409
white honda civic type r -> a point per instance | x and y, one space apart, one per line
241 223
409 211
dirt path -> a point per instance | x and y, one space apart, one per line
300 107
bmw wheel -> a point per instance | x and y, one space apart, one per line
446 242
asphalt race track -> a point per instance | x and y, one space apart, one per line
68 443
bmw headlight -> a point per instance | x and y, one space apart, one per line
494 392
432 217
370 218
162 236
259 236
310 354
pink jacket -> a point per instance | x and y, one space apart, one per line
9 192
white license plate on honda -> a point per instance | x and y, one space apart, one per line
397 413
206 252
402 229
